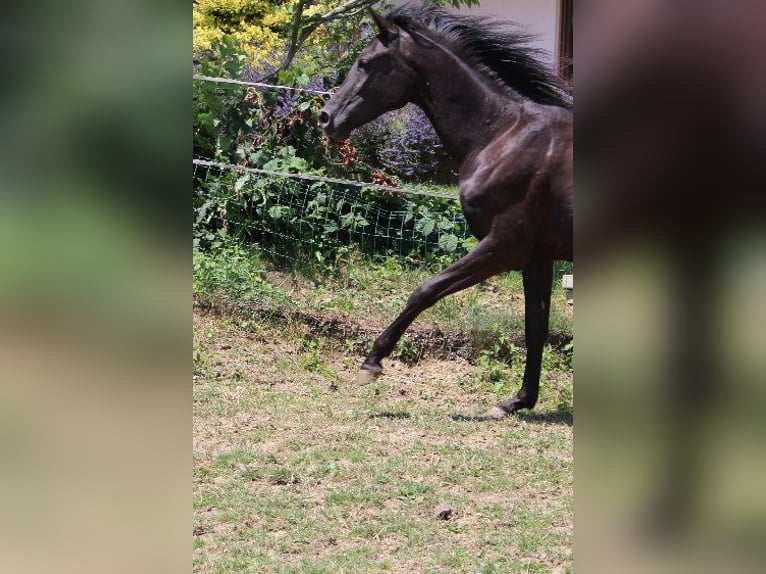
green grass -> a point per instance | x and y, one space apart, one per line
230 272
370 294
296 470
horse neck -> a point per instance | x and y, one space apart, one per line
466 110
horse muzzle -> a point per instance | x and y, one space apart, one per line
324 119
328 126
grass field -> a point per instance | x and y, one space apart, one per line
298 470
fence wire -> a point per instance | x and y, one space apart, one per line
260 85
398 190
293 217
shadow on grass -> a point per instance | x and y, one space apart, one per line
562 415
474 419
390 415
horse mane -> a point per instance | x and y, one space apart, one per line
500 53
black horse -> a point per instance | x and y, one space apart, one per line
507 122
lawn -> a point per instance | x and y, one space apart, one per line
296 469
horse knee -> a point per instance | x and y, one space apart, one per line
423 296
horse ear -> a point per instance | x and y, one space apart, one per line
388 29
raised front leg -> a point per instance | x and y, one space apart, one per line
538 277
487 259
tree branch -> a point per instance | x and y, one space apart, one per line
348 9
302 27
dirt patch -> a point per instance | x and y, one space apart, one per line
356 335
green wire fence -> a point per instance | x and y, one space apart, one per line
307 217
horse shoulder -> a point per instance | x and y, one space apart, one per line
510 162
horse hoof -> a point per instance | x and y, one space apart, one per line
366 377
496 413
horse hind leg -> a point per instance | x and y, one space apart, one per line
538 276
488 258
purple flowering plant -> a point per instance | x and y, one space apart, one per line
405 144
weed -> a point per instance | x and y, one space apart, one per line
309 359
197 358
410 490
355 346
406 351
202 359
229 271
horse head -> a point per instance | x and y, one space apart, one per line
379 81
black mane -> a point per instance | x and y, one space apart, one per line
501 53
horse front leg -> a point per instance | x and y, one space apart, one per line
538 276
487 259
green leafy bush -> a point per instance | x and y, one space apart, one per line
294 220
230 272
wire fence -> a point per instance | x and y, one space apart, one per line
305 217
397 190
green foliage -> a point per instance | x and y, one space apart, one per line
500 366
200 359
291 219
236 124
561 268
257 26
567 356
310 358
407 351
266 28
231 122
218 114
228 271
320 223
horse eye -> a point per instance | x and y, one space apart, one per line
364 63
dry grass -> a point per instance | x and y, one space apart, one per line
297 470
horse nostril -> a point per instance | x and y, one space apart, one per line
324 118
